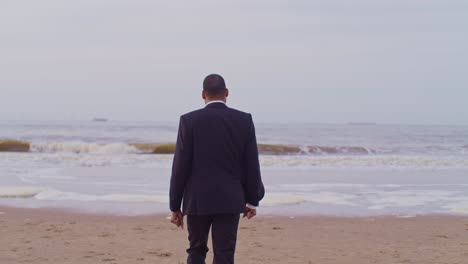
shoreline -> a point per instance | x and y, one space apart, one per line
83 212
41 236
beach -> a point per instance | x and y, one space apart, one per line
116 115
78 193
57 236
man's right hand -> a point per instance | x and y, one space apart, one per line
249 212
178 219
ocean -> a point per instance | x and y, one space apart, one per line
308 169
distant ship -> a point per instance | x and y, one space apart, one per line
362 123
100 119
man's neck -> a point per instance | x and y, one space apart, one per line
215 101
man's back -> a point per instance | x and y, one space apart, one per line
216 173
219 145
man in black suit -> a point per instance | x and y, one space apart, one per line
216 173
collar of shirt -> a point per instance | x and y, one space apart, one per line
215 101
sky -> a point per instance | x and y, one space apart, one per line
313 61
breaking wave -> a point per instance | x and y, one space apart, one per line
14 146
85 148
341 150
168 148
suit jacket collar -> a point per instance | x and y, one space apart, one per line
216 105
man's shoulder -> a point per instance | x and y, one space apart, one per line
234 111
188 114
239 112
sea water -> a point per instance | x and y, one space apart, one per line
342 169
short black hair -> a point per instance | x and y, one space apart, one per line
214 85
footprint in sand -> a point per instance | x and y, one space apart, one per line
105 234
55 229
258 245
159 254
92 254
108 259
139 229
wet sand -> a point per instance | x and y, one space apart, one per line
52 236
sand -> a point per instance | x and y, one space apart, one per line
52 236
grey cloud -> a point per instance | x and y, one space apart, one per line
336 60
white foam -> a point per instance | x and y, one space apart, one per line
315 186
55 195
48 194
20 191
358 150
26 180
94 155
377 161
406 198
278 199
460 207
136 198
331 198
406 216
83 147
275 199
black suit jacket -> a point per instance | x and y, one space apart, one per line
216 168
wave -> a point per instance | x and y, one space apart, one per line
274 199
20 192
168 148
152 148
322 197
49 194
271 149
107 148
84 148
56 195
14 146
341 150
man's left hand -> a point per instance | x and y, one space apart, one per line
249 212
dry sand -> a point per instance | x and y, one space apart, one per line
49 236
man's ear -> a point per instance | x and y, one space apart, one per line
227 92
203 95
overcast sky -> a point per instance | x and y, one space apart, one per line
385 61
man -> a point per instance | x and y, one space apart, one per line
216 173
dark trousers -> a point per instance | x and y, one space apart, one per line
223 234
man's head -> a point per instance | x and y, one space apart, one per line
214 88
